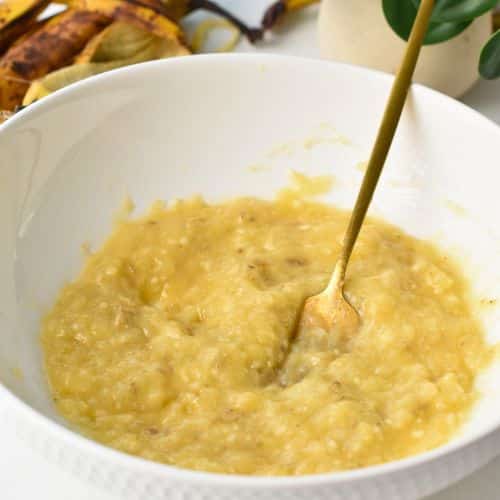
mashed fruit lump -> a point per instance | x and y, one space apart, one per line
171 344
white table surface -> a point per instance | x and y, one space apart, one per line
25 476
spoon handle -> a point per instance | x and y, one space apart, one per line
385 136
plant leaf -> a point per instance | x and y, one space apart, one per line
459 10
489 62
401 14
440 32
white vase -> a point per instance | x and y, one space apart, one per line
356 32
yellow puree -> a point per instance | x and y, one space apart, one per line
170 344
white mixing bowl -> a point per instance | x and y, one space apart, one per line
225 126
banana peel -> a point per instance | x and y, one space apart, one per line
119 45
278 11
118 41
51 47
299 4
38 54
10 10
175 10
132 13
60 41
252 34
18 17
5 115
121 41
205 28
34 26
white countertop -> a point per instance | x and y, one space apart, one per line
24 475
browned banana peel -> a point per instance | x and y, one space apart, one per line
141 17
51 47
5 115
34 26
177 9
278 10
92 36
17 17
120 44
174 9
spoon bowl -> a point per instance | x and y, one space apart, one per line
329 312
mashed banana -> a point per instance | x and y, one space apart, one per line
171 343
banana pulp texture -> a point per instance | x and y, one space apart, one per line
170 343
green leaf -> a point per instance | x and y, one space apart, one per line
400 14
459 10
440 32
489 62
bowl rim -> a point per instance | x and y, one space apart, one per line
14 404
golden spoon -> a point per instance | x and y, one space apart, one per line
330 311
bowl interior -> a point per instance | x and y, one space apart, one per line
224 126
